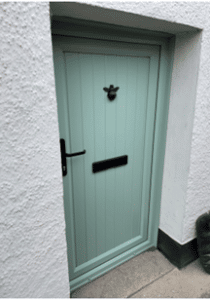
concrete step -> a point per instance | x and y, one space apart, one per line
149 275
128 278
189 282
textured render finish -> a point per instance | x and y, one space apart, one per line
186 189
193 14
180 124
33 255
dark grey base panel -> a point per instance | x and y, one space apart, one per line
178 255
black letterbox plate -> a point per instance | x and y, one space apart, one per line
109 163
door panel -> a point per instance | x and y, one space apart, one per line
107 213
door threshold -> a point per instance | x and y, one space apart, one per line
109 265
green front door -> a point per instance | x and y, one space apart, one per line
107 212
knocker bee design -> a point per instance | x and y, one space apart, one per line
111 92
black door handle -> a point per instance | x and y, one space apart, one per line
64 155
76 153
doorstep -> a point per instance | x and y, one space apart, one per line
129 278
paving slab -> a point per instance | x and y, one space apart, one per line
128 278
189 282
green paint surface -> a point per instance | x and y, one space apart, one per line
107 213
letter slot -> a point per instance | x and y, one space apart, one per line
109 163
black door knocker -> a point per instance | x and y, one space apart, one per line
111 92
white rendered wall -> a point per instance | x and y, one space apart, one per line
186 188
33 254
179 135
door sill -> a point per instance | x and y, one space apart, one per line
108 266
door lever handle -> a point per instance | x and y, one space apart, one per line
76 153
64 155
